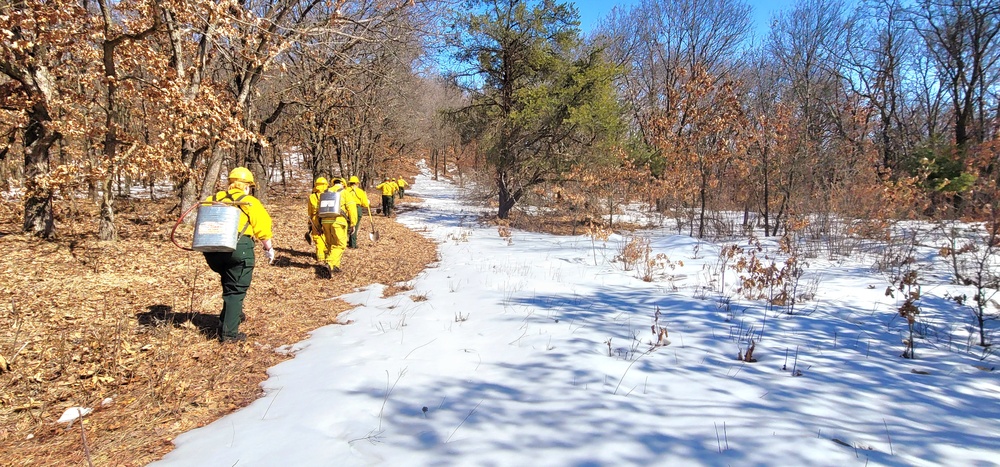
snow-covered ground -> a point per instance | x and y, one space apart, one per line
536 350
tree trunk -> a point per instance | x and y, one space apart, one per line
188 198
506 204
188 187
767 194
284 178
702 194
38 139
212 173
611 210
259 169
434 162
115 121
106 229
507 199
982 328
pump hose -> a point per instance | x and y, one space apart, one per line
178 223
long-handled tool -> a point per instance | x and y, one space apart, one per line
312 228
373 236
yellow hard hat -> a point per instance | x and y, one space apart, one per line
321 181
241 174
337 180
353 179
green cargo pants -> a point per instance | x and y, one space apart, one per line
235 271
352 239
387 205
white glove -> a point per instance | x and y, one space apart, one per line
270 255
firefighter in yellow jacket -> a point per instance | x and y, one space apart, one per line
360 198
388 188
235 268
330 233
401 183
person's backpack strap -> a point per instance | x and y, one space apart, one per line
233 202
237 200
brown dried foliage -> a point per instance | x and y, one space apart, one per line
82 321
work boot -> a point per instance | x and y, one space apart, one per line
239 337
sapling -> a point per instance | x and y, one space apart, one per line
630 250
596 231
908 309
659 331
506 234
748 357
725 304
974 254
727 254
795 363
761 278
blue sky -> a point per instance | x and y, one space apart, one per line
591 11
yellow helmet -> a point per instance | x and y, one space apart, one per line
241 174
336 181
320 182
353 180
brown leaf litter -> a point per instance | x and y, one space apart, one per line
123 327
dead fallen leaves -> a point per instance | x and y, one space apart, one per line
124 328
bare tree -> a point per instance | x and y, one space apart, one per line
352 89
876 67
41 60
963 37
662 42
769 120
806 43
114 38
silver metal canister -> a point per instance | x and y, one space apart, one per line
329 204
216 228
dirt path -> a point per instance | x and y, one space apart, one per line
84 322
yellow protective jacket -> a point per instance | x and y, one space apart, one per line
348 208
251 210
401 183
313 207
360 196
388 187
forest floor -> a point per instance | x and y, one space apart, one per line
124 328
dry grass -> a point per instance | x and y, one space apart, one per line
83 321
561 222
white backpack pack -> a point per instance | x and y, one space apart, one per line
329 204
